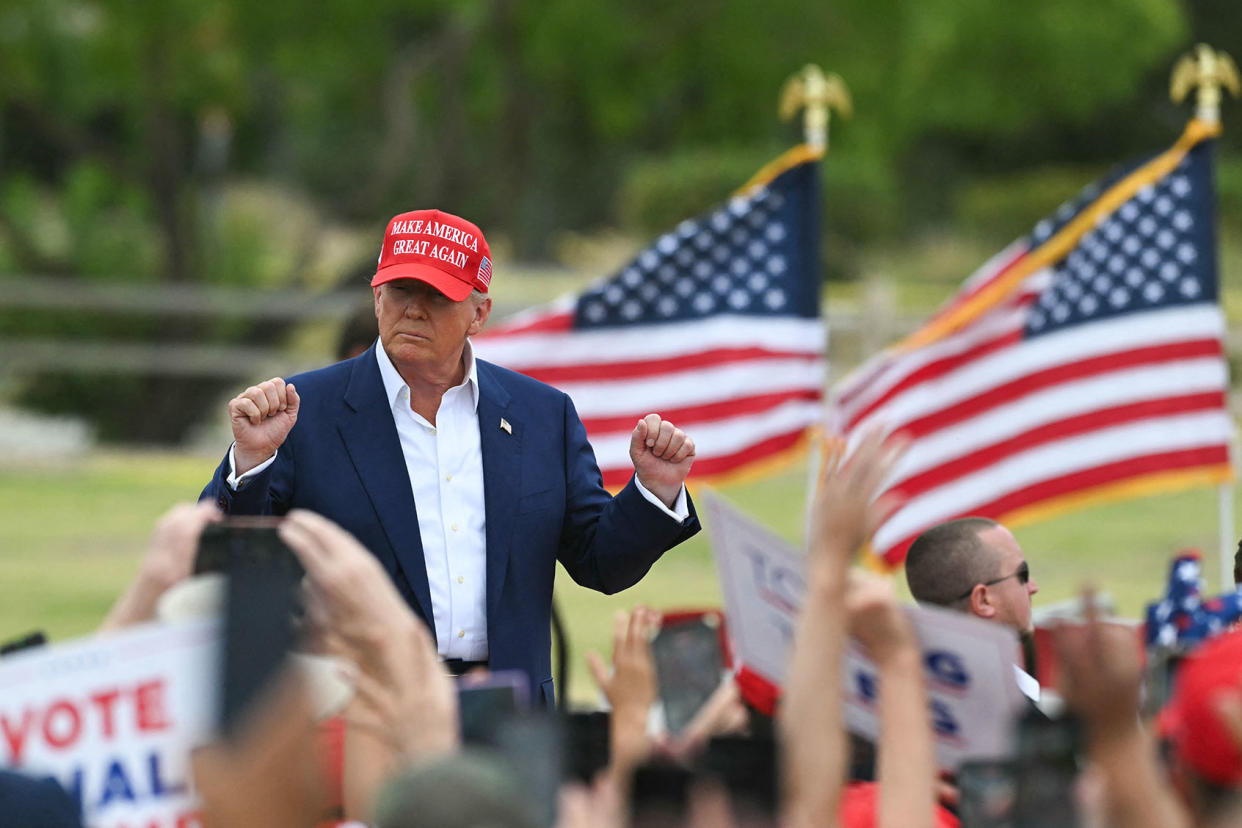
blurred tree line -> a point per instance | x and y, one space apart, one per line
125 126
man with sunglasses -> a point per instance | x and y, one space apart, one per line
973 565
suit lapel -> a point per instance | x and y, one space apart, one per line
370 437
502 452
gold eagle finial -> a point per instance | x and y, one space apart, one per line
1209 70
817 93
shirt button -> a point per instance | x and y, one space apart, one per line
448 478
454 527
460 579
461 633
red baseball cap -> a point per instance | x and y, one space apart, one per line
441 249
1190 719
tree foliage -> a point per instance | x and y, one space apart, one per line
120 122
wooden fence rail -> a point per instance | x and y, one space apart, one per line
855 332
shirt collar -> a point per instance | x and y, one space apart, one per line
395 387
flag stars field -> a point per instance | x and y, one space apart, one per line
715 325
1087 363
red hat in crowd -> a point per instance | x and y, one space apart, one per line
441 249
1191 721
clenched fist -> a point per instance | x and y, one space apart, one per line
261 417
662 455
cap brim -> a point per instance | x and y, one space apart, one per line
450 286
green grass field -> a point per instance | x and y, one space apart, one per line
72 533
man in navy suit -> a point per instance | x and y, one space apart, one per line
466 480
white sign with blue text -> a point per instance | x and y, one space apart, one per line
969 678
763 580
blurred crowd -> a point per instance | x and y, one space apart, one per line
1130 736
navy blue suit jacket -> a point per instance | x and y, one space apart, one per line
543 500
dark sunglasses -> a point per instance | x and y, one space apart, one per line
1022 573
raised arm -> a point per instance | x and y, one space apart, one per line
844 516
261 417
406 705
1100 682
169 560
906 756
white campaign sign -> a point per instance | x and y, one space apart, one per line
113 718
763 581
969 678
968 663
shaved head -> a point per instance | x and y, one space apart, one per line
973 565
947 560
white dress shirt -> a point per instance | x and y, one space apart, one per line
445 466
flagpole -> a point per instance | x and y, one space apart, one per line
1210 72
816 94
1227 539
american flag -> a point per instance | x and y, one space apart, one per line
1081 364
715 326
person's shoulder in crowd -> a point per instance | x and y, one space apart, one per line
32 801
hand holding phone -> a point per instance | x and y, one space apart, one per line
245 543
260 607
689 663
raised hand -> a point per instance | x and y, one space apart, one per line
270 774
630 688
169 559
845 510
875 618
261 417
1101 671
347 591
662 455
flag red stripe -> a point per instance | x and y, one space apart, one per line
1056 375
1085 479
617 477
939 368
635 369
708 412
844 400
1081 424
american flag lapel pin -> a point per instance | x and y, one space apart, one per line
505 427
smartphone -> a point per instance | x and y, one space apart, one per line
986 790
244 541
587 743
488 701
1046 769
261 604
689 665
